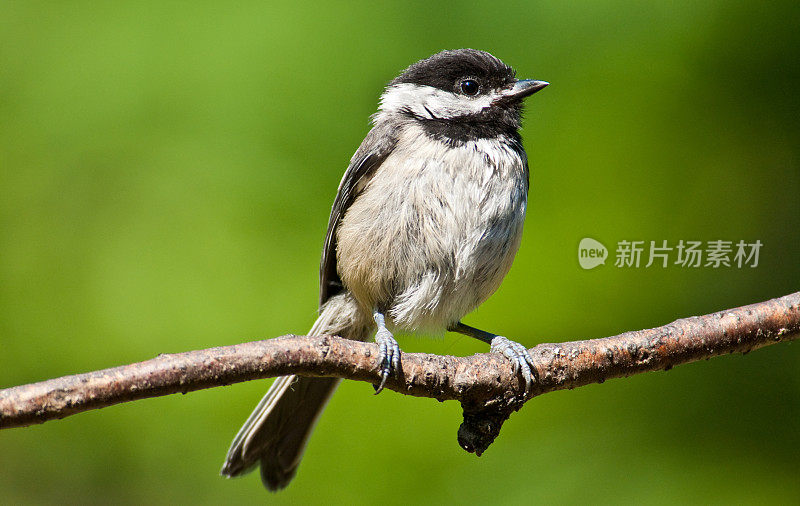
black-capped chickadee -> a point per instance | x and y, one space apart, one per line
424 227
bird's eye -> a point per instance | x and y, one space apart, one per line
470 87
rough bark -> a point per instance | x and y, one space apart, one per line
484 384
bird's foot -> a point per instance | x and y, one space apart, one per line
519 357
388 352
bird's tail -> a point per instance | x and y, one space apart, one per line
277 430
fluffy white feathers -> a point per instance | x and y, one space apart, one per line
432 103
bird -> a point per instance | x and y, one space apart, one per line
425 225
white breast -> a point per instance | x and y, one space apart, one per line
435 230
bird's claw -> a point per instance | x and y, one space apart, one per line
388 356
520 359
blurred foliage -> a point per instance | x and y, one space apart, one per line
166 172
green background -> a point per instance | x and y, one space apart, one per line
166 173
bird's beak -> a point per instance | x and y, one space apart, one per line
521 89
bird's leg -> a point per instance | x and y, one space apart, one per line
389 354
515 352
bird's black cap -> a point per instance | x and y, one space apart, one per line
446 69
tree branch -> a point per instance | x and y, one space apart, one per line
484 383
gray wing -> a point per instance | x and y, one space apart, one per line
377 145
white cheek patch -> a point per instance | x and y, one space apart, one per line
432 103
